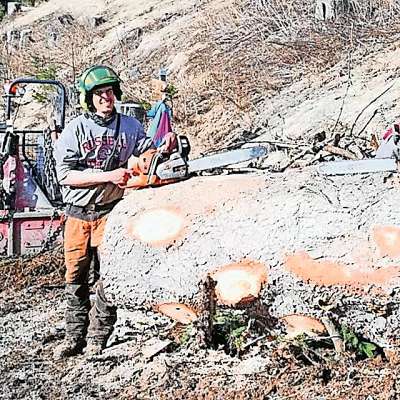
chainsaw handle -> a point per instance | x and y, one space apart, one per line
144 169
142 164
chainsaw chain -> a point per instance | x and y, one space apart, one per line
3 193
53 190
52 236
50 181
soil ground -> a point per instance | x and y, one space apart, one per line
142 361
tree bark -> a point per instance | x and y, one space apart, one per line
300 243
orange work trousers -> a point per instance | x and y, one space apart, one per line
79 238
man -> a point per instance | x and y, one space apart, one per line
91 157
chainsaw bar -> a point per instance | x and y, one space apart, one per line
358 166
226 158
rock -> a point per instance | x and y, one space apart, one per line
97 21
13 7
253 365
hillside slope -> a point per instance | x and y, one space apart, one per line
288 81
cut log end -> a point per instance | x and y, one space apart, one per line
328 273
300 324
239 283
178 312
157 227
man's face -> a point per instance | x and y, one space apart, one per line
103 100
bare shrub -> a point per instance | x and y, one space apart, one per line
285 18
250 53
68 47
254 48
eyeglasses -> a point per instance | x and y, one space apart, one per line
104 91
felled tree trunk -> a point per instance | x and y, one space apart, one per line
305 246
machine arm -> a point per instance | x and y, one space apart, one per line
38 82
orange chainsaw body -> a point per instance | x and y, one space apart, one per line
144 174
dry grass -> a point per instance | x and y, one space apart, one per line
237 56
254 48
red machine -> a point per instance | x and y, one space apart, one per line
30 199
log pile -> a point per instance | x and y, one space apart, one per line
306 248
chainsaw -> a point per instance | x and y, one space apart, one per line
370 165
155 168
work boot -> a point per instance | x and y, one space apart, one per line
71 346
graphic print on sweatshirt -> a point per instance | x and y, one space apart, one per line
97 150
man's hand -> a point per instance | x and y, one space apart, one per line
119 176
170 143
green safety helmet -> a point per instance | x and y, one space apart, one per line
94 77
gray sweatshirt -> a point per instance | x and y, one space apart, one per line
85 146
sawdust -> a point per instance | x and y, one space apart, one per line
197 199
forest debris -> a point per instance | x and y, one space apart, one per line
42 269
155 346
276 161
353 148
340 152
334 335
178 312
374 142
